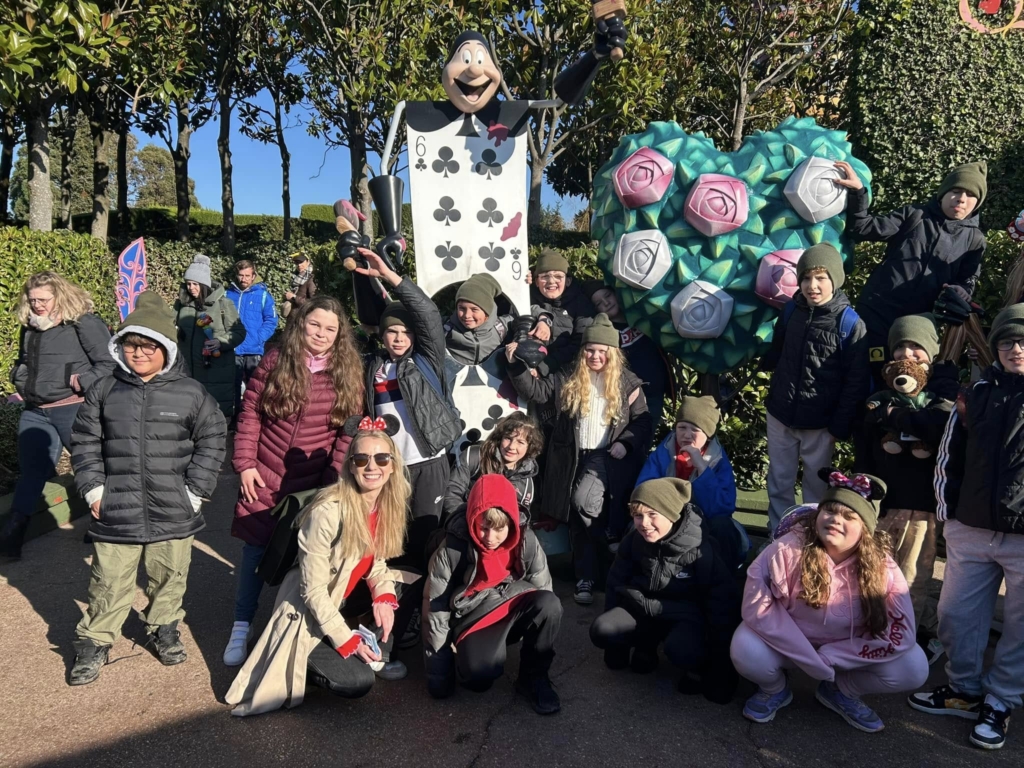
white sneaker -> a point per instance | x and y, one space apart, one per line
238 645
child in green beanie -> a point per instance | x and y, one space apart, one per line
978 480
928 246
557 302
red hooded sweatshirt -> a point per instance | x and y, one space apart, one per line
493 565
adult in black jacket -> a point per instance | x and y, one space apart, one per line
668 584
979 482
62 353
410 383
147 449
928 246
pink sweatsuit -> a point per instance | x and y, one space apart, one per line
780 631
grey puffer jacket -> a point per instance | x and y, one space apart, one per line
148 445
472 347
817 382
48 359
436 424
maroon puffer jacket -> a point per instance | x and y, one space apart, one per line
295 454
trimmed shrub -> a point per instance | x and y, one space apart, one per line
317 212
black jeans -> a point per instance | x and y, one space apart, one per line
586 507
245 366
535 618
685 641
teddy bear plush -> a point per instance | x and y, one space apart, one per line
906 380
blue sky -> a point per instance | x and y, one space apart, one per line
257 172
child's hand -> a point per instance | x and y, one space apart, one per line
852 180
250 480
617 451
95 508
958 290
697 461
376 267
75 386
510 350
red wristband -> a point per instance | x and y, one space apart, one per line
350 647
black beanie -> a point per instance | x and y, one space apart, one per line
466 37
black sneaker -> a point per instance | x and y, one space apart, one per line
411 636
540 693
167 644
945 700
990 732
616 657
644 660
584 594
89 659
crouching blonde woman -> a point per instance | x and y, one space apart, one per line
341 581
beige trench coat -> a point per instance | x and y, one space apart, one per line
308 607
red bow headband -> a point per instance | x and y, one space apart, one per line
372 425
858 483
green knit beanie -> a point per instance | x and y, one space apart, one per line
151 313
972 178
866 508
1008 324
601 331
550 260
919 329
702 412
395 314
667 496
481 290
824 256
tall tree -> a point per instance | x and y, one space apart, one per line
154 179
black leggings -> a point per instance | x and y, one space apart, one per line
352 678
429 481
534 619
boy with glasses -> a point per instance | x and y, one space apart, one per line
979 486
147 446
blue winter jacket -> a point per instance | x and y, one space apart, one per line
714 491
258 314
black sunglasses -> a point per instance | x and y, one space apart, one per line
363 459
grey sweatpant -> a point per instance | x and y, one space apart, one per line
785 449
977 561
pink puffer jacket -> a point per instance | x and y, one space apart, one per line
295 454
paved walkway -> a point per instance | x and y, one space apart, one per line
142 714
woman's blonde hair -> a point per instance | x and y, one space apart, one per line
872 571
355 540
576 392
69 301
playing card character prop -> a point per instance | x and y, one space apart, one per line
468 187
702 245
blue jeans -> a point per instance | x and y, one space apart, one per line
250 584
42 433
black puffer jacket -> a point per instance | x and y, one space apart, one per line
436 424
979 473
48 359
572 305
146 443
467 470
633 430
924 250
817 382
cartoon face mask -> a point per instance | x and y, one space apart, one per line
470 78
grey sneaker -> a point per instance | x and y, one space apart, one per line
854 711
584 594
761 707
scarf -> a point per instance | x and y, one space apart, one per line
363 566
684 464
42 322
493 565
299 279
472 347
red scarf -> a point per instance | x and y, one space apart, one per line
363 566
684 464
493 565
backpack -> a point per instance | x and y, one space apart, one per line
847 321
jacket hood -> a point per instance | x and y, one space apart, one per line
493 491
571 293
685 536
472 347
173 364
217 292
934 209
257 286
835 305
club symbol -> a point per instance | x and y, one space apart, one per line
492 257
490 215
444 163
493 414
516 253
488 165
447 212
448 253
421 164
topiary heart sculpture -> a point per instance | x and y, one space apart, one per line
702 245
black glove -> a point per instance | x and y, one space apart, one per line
637 604
610 34
349 245
531 351
951 308
877 415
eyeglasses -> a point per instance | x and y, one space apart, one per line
1005 345
361 460
39 302
147 349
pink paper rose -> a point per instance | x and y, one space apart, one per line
642 178
776 277
716 204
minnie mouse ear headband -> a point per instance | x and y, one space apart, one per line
861 493
387 424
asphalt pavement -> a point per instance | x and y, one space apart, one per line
140 713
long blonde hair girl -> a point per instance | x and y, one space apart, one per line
355 541
69 301
576 391
872 572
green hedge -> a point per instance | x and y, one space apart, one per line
318 212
